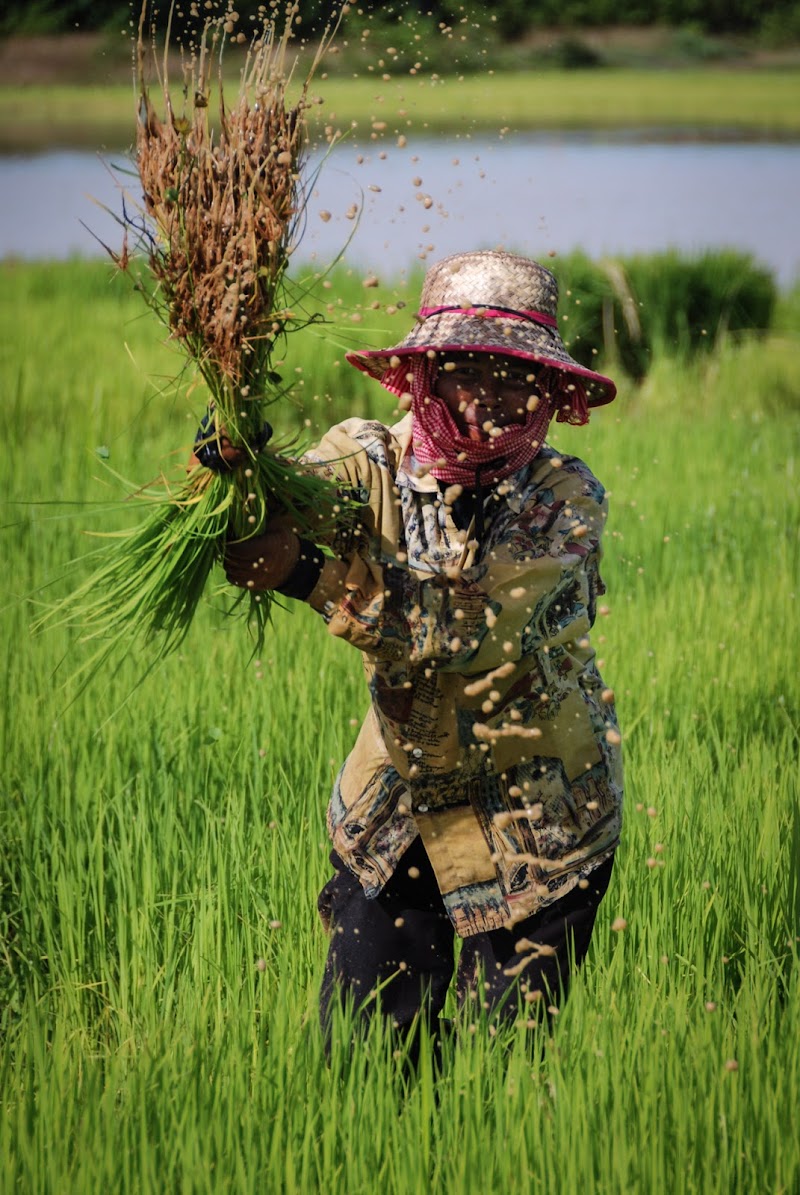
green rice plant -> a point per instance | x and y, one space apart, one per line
161 955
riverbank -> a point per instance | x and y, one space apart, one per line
722 104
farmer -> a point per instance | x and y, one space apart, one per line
482 797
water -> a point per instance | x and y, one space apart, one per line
536 195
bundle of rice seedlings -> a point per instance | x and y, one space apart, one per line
222 212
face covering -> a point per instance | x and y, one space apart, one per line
454 458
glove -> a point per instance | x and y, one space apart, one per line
214 451
263 562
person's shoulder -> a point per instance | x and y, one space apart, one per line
566 475
365 431
354 435
378 441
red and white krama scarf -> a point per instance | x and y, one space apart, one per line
452 457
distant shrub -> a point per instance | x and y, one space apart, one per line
628 310
691 44
583 292
780 27
572 53
687 303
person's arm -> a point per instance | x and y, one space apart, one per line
280 559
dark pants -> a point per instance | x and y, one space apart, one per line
396 951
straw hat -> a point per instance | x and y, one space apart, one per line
487 301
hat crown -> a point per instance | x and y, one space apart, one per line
490 278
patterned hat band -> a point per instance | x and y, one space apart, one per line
489 302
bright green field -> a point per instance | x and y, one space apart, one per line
162 833
745 102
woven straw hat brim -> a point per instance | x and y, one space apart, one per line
458 331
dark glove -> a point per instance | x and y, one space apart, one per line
214 451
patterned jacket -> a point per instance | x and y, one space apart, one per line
490 731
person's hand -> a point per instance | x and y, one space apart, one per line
263 562
214 450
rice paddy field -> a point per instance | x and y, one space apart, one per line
163 827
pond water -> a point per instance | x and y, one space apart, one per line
537 195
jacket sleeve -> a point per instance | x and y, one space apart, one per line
536 584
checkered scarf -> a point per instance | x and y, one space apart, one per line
452 457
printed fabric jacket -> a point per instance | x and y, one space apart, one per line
490 731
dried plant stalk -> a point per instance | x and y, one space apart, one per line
222 212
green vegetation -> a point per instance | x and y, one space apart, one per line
641 308
163 834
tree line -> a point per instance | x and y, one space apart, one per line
510 19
